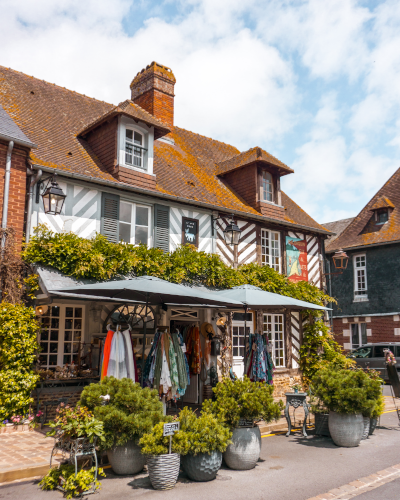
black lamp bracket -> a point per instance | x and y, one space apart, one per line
214 219
39 190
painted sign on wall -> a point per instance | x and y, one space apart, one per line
296 259
190 231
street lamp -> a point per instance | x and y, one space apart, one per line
340 260
232 233
53 197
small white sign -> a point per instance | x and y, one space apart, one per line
183 348
170 429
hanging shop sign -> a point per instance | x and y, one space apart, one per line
296 259
190 231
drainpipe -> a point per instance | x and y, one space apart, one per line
35 179
6 191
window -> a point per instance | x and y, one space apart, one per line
382 215
134 148
270 249
60 335
360 276
358 334
273 327
379 351
238 332
134 223
267 190
363 352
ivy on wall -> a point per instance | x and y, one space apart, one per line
99 259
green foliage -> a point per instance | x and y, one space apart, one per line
243 399
77 422
204 434
18 345
130 413
319 349
347 391
72 485
154 443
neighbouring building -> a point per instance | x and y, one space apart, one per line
131 174
368 294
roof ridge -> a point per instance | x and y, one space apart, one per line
206 137
55 85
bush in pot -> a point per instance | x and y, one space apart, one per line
163 467
127 412
347 394
238 401
206 440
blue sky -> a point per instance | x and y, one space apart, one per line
316 83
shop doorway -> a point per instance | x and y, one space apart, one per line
238 346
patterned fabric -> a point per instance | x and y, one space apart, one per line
194 350
173 368
180 358
259 366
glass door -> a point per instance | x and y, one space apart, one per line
238 346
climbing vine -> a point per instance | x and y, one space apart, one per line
100 259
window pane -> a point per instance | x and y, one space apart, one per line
125 212
78 324
69 312
68 324
354 335
67 359
44 335
68 336
53 360
142 216
235 351
363 329
44 347
138 139
54 347
55 311
67 347
141 235
267 186
54 335
78 312
54 322
129 134
124 232
378 351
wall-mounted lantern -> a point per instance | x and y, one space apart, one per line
53 197
232 233
340 260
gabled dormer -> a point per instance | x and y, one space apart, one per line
382 209
255 176
122 141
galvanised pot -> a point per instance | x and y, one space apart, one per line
126 459
244 452
321 424
346 429
366 424
202 467
163 470
372 425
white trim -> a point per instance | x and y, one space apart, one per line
369 315
369 332
148 143
345 320
396 317
397 331
346 333
269 256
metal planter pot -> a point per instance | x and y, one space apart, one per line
244 452
126 459
202 467
321 424
163 470
372 425
366 424
346 430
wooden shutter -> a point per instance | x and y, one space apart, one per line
110 216
161 227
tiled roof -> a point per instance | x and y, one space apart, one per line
53 117
9 130
132 110
250 156
364 230
382 202
337 227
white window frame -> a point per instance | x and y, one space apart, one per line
264 191
133 221
61 332
360 293
274 327
267 240
147 133
359 334
138 151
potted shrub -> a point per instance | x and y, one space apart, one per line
238 404
163 467
321 416
127 412
371 416
347 394
205 441
71 484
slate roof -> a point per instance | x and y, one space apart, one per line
250 156
363 229
337 227
9 130
54 117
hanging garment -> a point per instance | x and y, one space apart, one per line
130 365
165 378
148 376
181 364
173 368
117 362
193 350
106 354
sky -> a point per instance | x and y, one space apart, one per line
315 83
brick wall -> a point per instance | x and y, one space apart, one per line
73 395
139 179
269 210
103 141
158 104
17 194
379 329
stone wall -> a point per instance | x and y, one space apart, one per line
284 380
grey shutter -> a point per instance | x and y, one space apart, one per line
161 227
110 216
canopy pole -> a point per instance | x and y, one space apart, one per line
144 336
245 339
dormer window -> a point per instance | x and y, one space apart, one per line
134 148
267 189
382 215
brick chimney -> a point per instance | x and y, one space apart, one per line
153 90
